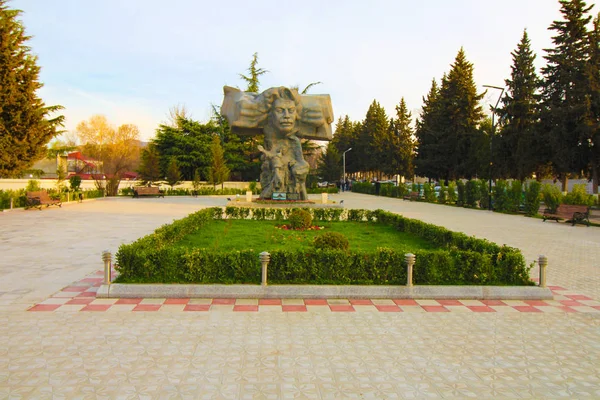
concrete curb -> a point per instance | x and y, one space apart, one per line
119 290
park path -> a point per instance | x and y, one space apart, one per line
323 355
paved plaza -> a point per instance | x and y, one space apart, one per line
72 345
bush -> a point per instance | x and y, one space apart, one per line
33 186
452 194
532 198
515 196
300 219
500 196
331 241
429 193
461 198
552 197
484 194
75 183
579 196
471 194
443 194
363 187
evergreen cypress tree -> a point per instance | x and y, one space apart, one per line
149 168
460 116
401 142
218 172
173 173
593 75
25 123
428 160
371 139
330 164
253 80
565 90
520 147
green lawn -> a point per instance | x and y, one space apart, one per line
226 235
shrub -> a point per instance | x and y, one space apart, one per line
443 194
33 186
471 193
579 196
452 193
461 198
484 194
515 195
552 197
532 198
429 193
363 187
75 183
331 241
500 196
300 219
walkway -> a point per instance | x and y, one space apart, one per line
68 353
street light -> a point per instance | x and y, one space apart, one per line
492 139
344 159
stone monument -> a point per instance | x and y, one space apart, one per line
284 117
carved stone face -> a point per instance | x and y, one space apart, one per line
283 115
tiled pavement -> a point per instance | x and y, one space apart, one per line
81 296
322 355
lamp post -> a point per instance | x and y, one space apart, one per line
344 161
492 140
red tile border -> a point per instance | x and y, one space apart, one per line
481 309
526 309
91 280
129 301
556 288
571 303
96 307
536 303
341 308
86 294
269 302
176 301
450 303
245 307
596 307
578 297
293 308
493 302
435 308
405 302
387 308
147 307
361 302
223 301
316 302
81 300
44 307
75 288
567 309
197 307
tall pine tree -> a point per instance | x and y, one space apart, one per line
401 144
371 140
430 155
593 74
25 123
344 138
520 149
565 90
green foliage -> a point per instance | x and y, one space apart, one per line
218 172
75 183
515 196
363 187
452 193
399 148
196 181
253 80
500 196
552 196
461 196
532 198
462 260
173 173
33 186
300 219
579 196
484 194
318 190
331 241
372 137
443 194
25 120
472 193
429 193
149 169
330 164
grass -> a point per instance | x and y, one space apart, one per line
227 235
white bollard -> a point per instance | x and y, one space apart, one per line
543 263
324 198
107 258
264 258
410 262
248 196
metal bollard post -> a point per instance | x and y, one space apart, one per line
11 203
264 258
543 263
107 258
410 261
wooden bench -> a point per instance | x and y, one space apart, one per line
573 213
147 191
40 199
412 196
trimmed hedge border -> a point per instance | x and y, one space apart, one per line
462 260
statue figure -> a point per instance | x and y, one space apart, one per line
284 117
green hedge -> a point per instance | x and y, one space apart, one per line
461 259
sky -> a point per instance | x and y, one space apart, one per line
133 60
